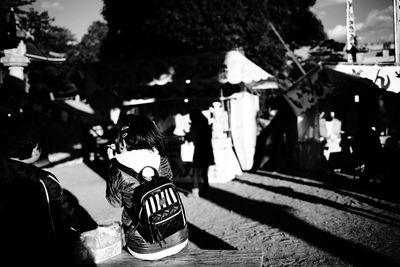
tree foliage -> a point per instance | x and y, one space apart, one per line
31 25
41 37
8 33
88 49
157 28
49 37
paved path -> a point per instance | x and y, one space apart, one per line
89 188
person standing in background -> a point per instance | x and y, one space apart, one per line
201 134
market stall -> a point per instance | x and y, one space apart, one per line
169 89
331 107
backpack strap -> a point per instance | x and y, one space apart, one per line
132 172
124 168
48 206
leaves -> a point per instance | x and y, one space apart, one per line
88 50
158 28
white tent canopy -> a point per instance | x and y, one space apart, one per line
240 69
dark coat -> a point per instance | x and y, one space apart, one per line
63 212
35 218
201 135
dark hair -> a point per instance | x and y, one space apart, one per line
20 135
140 132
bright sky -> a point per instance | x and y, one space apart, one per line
373 18
75 15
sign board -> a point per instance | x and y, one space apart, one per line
385 77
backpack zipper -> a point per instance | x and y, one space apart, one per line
176 214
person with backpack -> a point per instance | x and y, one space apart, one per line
140 181
37 220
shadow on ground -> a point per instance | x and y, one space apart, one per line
287 191
351 188
205 240
279 216
84 222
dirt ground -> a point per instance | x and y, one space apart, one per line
294 221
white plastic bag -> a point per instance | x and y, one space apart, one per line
187 150
104 242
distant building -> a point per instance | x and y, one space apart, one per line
377 53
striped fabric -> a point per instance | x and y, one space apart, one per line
160 200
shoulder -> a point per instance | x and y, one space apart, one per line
50 181
113 167
164 162
118 176
165 168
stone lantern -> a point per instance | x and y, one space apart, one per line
16 60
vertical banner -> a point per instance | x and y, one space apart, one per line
306 92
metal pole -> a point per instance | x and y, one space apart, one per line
350 29
396 11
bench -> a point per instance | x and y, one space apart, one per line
231 258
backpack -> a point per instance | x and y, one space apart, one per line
157 206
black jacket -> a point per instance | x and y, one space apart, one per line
63 213
36 217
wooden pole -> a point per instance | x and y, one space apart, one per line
287 49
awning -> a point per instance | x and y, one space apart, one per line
239 69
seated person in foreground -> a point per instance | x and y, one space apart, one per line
42 223
139 144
